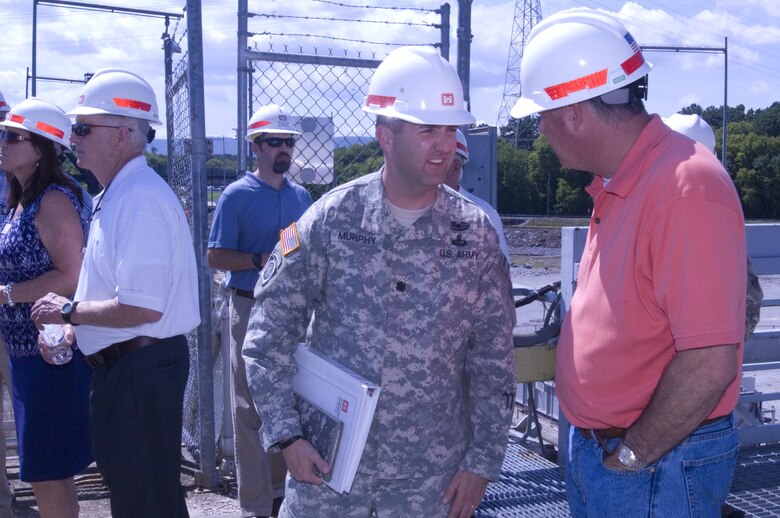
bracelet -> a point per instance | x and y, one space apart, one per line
7 290
289 442
257 260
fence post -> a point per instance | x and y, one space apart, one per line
209 476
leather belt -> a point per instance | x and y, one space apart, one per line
245 293
602 434
118 349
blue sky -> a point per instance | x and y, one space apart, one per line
72 42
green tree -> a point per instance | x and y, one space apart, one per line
767 122
159 163
516 194
521 133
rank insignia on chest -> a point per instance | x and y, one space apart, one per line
288 239
459 226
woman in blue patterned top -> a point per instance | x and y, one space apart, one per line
41 243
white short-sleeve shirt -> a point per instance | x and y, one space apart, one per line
139 250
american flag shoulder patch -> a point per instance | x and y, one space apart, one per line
288 238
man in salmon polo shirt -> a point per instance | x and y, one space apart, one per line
650 353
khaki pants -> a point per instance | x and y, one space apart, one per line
259 475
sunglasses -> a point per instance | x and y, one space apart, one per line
277 142
10 137
82 129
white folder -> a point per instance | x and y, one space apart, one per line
345 395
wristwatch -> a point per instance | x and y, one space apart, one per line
67 310
628 458
257 260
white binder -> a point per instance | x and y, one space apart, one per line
345 395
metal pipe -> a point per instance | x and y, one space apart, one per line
444 11
209 476
241 73
464 47
725 99
34 45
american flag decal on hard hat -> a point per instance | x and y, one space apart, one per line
288 238
632 42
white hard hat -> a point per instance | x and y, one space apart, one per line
270 119
576 55
462 148
416 85
4 108
693 127
40 117
117 92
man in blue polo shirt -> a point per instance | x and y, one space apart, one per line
249 216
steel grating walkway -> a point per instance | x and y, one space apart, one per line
756 486
531 486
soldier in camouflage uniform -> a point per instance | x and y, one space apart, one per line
398 271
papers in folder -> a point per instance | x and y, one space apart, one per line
342 394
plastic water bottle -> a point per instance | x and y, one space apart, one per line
54 337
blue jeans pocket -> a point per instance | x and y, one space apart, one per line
708 481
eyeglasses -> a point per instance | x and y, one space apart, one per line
10 137
277 142
82 129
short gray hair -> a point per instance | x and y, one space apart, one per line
139 128
390 123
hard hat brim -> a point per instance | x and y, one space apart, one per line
525 107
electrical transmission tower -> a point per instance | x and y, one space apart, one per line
527 14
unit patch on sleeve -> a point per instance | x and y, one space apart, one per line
271 267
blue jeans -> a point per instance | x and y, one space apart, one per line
692 480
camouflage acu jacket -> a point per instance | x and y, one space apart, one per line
413 309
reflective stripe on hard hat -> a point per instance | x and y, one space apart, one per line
380 101
130 103
51 130
575 85
259 124
16 118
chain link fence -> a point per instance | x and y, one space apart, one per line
325 94
180 179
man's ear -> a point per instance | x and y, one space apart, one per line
384 136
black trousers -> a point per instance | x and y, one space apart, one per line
136 409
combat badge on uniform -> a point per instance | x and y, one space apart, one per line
288 238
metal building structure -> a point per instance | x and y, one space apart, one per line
527 14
